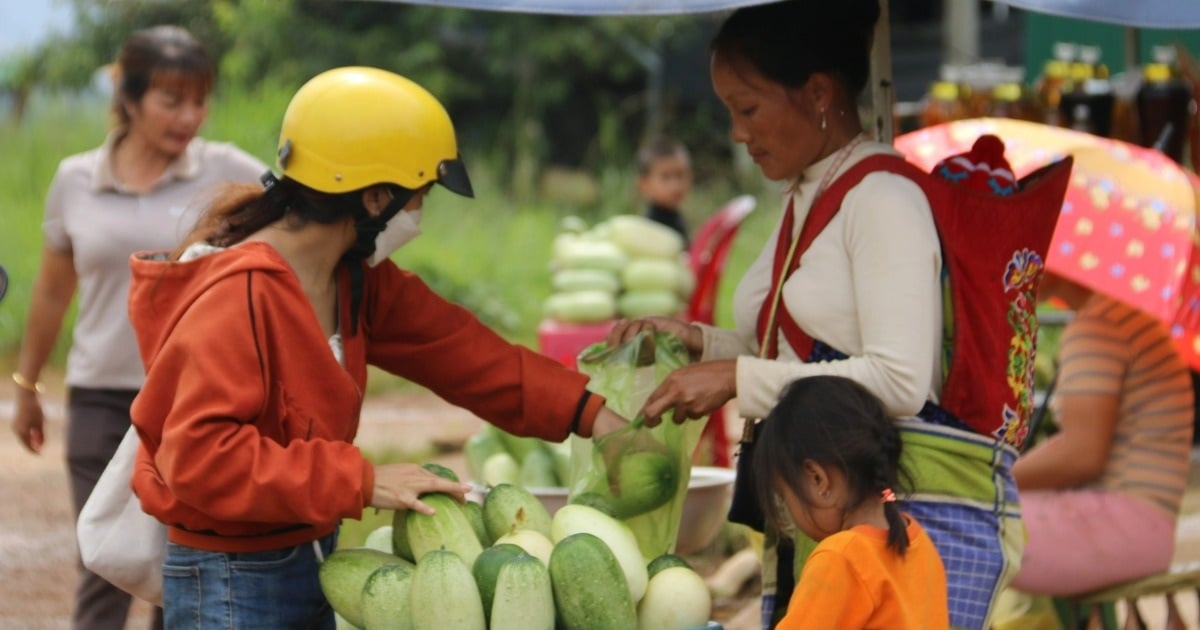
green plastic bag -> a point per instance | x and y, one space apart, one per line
638 474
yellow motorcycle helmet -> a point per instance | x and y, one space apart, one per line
354 127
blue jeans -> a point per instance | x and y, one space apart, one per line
265 589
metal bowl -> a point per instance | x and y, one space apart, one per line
704 508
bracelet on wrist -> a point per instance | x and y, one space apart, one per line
32 387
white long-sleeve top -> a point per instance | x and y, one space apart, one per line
869 286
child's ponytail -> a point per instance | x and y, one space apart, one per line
897 526
888 473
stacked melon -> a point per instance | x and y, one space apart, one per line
495 456
507 564
627 266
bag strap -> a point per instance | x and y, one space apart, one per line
785 251
819 217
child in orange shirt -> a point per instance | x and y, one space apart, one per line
833 455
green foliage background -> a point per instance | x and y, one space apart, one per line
528 88
490 253
529 94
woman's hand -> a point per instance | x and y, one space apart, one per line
693 391
53 290
28 421
398 486
606 422
689 334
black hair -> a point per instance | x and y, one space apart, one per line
833 421
241 210
159 54
656 149
787 42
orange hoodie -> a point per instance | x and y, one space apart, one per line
246 418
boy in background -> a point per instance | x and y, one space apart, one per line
664 180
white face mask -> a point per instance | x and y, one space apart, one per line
401 229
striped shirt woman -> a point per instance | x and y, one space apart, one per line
1101 497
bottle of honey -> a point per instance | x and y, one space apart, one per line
1087 104
1164 101
1051 84
942 104
1008 101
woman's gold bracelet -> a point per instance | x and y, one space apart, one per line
28 385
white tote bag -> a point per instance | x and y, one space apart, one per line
117 540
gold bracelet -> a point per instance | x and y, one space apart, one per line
28 385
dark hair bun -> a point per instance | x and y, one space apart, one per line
788 41
859 16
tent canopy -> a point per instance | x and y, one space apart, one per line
594 7
1166 14
1170 14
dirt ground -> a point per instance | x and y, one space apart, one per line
37 548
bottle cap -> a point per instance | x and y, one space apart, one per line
1056 69
1007 92
1166 55
944 91
1012 74
952 73
1156 72
1065 51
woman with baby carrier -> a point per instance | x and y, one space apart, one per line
850 283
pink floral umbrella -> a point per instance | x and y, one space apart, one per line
1128 224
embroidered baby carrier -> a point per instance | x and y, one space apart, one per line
994 233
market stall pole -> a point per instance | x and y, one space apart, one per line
882 87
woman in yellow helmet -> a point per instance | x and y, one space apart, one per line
256 335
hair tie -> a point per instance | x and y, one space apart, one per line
887 496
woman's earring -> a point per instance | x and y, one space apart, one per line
823 122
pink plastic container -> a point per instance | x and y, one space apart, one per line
563 342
